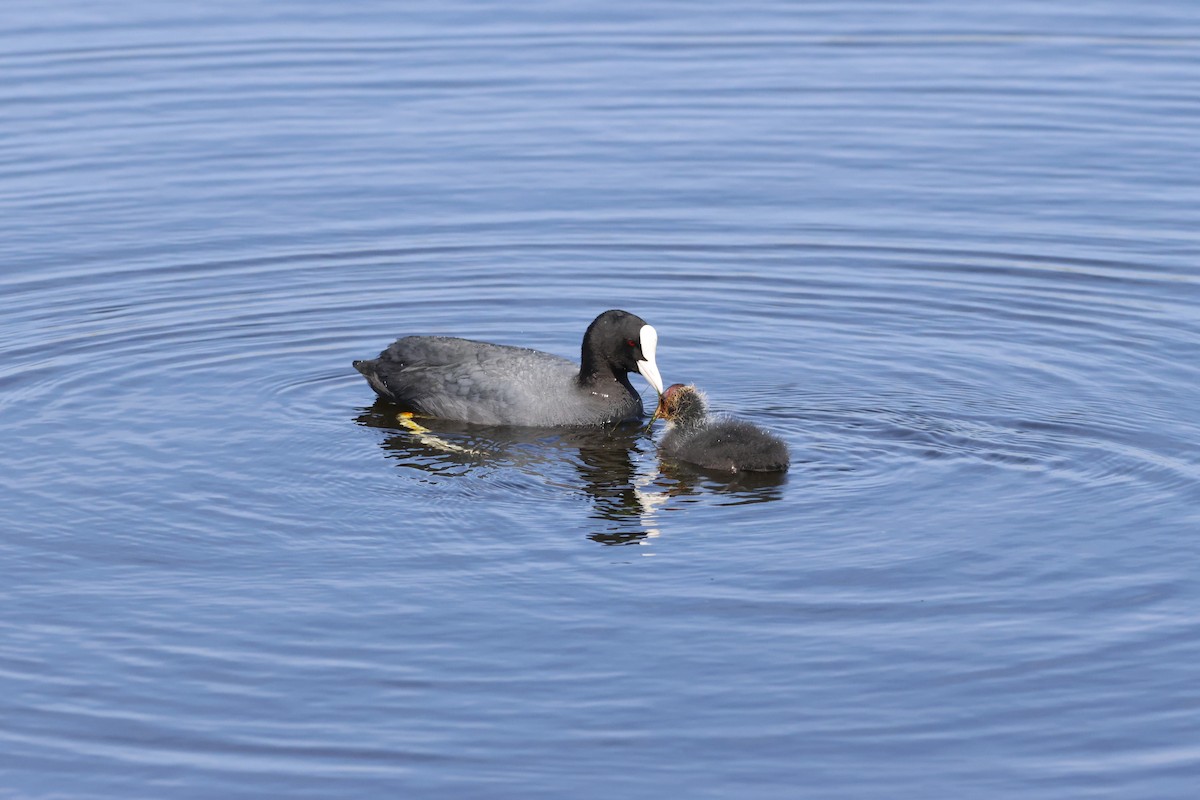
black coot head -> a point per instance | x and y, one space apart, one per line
623 342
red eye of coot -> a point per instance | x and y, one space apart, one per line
630 342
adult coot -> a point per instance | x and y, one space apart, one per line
492 384
721 443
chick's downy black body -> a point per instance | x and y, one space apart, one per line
716 442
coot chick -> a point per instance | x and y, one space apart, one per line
492 384
719 443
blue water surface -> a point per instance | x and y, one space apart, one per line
947 251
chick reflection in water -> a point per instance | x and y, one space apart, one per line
715 442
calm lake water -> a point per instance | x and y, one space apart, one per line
948 251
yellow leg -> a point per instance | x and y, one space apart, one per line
427 437
406 419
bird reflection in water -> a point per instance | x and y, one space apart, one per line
619 470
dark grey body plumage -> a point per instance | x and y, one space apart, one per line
492 384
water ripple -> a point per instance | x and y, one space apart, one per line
945 252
